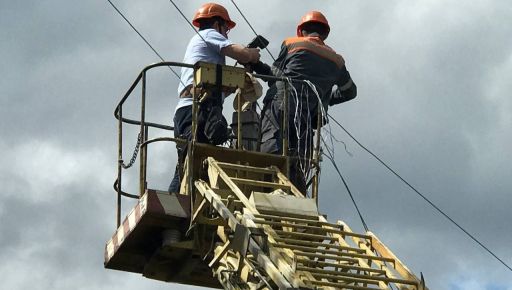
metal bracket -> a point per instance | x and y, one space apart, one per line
211 75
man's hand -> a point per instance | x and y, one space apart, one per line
344 93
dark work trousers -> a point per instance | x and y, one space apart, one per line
183 130
300 138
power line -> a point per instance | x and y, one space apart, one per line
331 158
423 196
143 38
247 21
186 19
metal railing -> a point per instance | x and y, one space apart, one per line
143 134
143 142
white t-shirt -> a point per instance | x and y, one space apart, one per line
198 50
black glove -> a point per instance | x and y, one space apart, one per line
261 68
339 96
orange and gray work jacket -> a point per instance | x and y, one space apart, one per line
308 58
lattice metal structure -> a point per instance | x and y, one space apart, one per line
275 239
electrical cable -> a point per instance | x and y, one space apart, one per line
144 39
334 139
424 197
186 19
248 23
346 186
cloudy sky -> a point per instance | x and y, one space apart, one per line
434 102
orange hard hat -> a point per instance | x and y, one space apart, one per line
313 16
210 10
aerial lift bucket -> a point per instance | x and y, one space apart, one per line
239 223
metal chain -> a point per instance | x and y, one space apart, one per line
135 153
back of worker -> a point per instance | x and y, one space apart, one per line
305 57
308 58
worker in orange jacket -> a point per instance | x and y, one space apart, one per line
305 57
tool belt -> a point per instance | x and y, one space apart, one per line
187 92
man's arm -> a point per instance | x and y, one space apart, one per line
241 54
264 69
347 89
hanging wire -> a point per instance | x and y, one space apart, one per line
329 156
144 39
252 28
334 139
423 197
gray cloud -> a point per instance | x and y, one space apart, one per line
433 81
